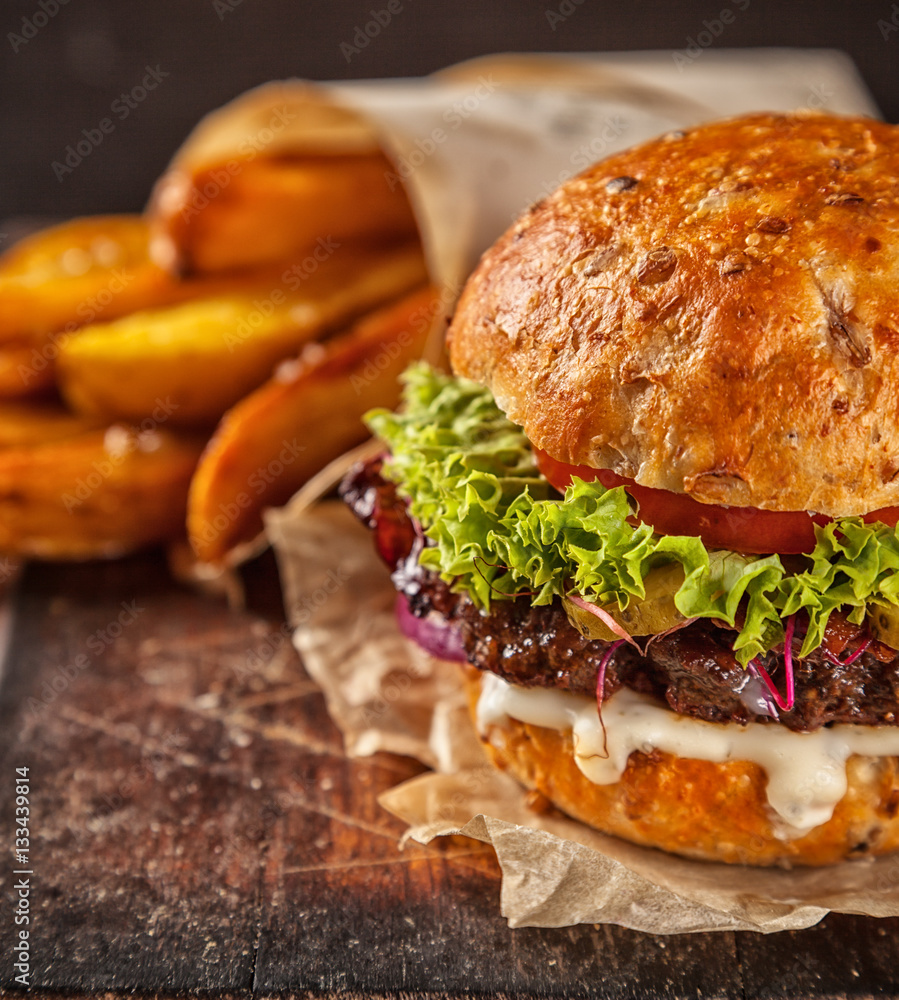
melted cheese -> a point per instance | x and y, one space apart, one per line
806 771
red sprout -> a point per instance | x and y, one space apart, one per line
605 618
786 704
765 693
837 662
668 631
600 689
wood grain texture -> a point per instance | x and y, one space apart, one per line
198 829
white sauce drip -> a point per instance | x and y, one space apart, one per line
806 771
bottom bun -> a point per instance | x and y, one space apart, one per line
696 808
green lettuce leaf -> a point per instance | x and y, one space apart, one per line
499 529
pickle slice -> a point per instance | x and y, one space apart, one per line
654 614
883 623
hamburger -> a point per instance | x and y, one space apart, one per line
653 511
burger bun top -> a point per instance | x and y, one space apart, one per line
714 312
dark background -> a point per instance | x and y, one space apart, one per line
66 77
270 931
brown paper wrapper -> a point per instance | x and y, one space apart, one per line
385 693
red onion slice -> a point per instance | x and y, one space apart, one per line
434 634
783 703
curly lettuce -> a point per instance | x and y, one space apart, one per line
499 529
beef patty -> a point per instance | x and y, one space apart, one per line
693 670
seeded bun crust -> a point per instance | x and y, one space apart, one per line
696 808
715 312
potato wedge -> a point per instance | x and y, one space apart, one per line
247 214
99 494
84 271
25 370
27 423
268 445
199 358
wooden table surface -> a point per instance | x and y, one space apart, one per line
196 828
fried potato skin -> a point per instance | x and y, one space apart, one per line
84 271
97 495
200 358
28 423
251 214
25 371
268 445
81 273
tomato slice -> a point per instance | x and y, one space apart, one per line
742 529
